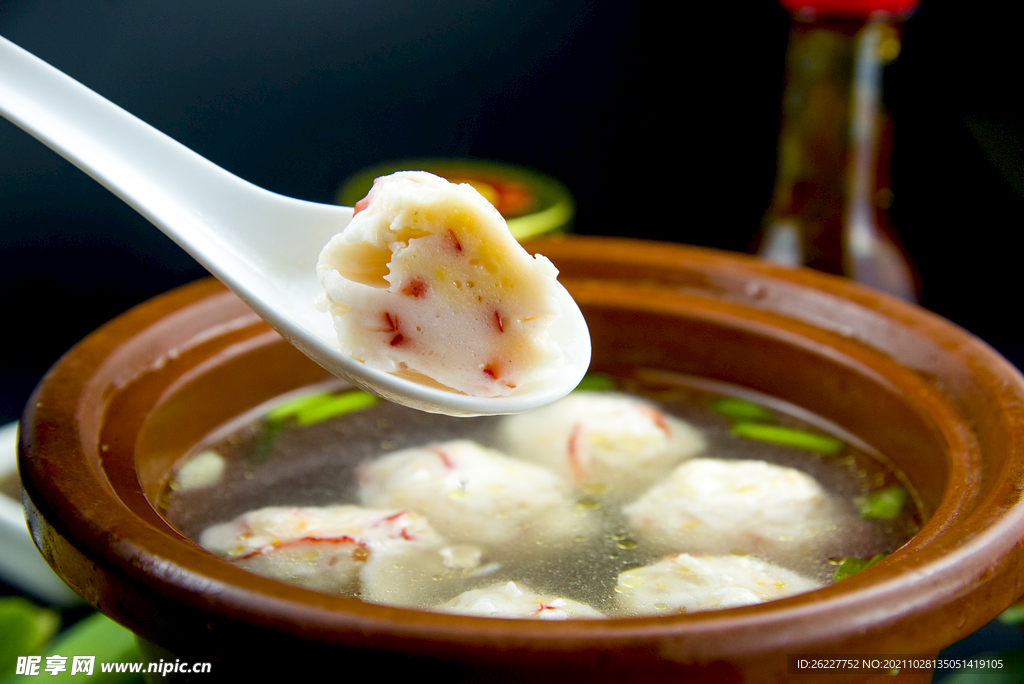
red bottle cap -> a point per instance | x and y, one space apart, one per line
851 8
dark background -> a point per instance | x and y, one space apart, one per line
662 123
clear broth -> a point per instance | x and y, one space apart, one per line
315 465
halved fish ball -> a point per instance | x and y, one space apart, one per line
428 279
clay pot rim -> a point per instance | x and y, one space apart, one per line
881 594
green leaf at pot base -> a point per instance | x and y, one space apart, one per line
1014 615
98 636
24 630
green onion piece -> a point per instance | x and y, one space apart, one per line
291 408
306 410
851 566
741 409
24 630
346 402
885 503
791 437
593 382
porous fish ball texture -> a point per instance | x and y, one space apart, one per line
684 583
518 601
473 494
427 279
602 438
323 548
719 506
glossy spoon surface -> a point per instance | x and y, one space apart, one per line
262 245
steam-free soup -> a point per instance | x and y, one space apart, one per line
651 493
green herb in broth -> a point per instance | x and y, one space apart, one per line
335 405
791 437
885 503
752 422
321 406
741 409
264 445
851 566
307 410
289 409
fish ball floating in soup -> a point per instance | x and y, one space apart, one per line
420 577
727 506
602 438
450 523
322 548
474 494
427 278
684 583
511 600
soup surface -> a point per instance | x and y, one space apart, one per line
685 495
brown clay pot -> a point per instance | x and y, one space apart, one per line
103 429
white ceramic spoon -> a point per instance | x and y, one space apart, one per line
260 244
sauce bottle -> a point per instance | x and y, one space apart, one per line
829 207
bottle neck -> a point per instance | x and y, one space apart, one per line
829 205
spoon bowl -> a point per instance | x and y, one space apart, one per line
262 245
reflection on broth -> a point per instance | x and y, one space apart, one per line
650 494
